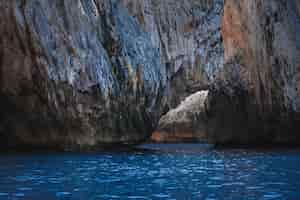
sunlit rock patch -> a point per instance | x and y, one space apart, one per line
187 122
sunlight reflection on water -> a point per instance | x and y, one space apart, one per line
168 172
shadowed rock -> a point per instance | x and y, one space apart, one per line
188 36
256 97
76 73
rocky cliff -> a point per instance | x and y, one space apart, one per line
187 34
256 98
77 73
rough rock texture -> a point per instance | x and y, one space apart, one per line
256 98
187 34
187 122
76 73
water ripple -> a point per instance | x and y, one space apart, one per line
229 175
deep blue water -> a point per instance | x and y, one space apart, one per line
188 172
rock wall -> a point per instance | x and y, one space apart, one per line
187 34
76 73
256 97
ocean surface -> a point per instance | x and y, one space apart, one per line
181 171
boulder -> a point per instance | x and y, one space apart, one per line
185 123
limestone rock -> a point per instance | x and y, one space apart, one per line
187 122
188 36
76 73
256 97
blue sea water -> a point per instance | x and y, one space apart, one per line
167 172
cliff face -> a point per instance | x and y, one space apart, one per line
187 34
83 72
76 73
256 97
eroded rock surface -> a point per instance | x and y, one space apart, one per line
187 34
256 98
84 72
79 73
76 73
185 123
